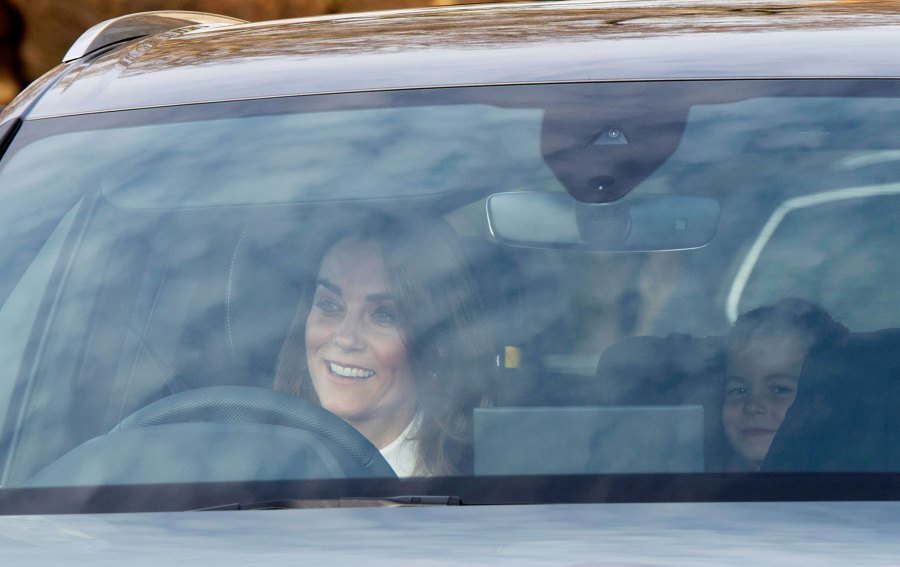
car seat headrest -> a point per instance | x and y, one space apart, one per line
676 369
271 262
673 370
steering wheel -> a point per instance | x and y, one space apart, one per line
220 434
245 404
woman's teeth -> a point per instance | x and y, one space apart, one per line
349 372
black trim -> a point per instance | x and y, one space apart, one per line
8 131
474 491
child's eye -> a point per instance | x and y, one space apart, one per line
782 390
735 391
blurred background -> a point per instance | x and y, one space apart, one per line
35 34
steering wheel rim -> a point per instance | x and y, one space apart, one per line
247 404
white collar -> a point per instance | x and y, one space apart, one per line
401 452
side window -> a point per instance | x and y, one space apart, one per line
18 313
837 248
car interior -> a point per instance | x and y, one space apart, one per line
613 247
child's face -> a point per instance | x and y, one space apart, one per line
760 386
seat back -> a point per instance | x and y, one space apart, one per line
661 371
845 417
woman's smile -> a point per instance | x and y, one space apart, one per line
348 370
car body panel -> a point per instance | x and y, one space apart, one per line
497 44
835 533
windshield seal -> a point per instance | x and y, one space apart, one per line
485 490
471 491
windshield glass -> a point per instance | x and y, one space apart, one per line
582 279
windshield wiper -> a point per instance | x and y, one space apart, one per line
343 502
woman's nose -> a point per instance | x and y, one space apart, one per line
347 335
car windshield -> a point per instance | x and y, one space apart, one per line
683 277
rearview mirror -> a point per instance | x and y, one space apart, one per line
639 222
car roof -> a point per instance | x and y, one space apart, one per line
484 45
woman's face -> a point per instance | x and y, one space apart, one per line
760 386
355 350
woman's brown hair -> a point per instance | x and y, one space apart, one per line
442 322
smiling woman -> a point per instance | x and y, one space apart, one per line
391 338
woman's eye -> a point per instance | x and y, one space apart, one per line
327 305
384 316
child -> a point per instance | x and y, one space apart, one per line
765 353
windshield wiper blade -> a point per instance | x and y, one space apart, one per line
343 502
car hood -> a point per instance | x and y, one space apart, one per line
835 533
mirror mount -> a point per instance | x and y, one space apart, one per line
603 151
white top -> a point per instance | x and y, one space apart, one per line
401 452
